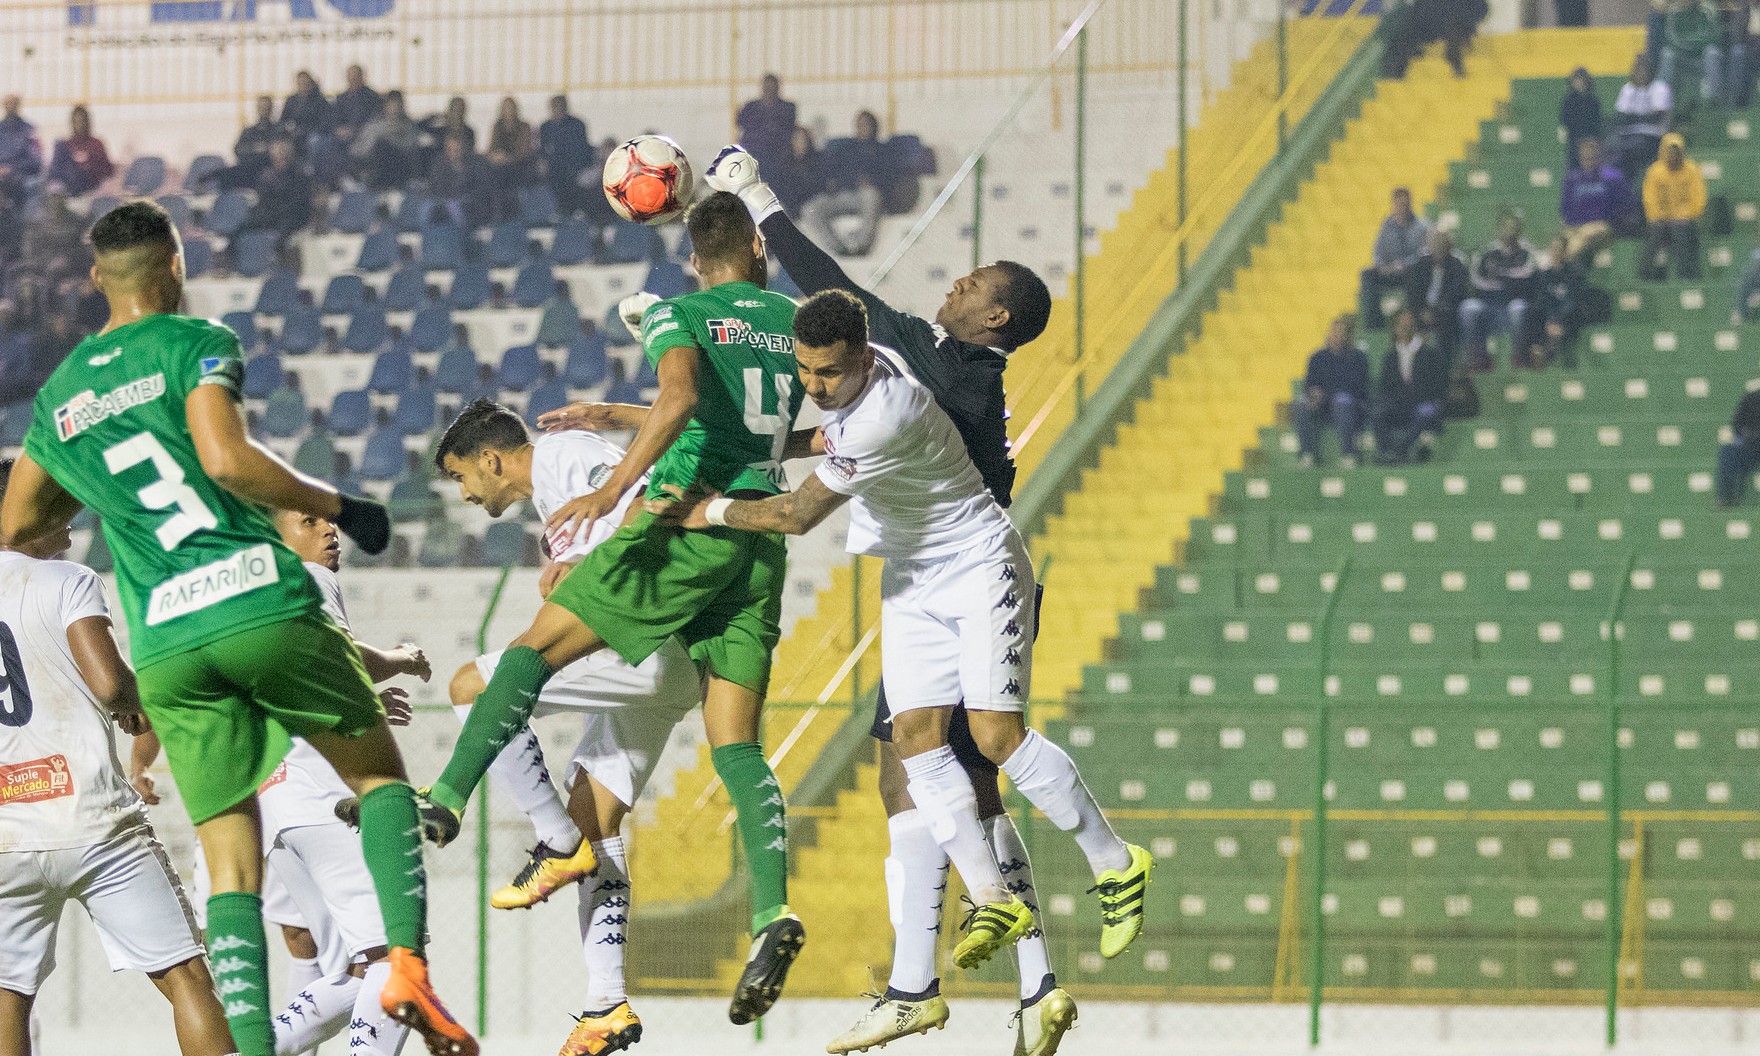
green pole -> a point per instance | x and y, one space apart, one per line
1081 213
978 214
1181 140
1322 771
1282 75
1615 893
483 833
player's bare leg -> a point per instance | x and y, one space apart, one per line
607 1023
200 1023
1046 775
15 1023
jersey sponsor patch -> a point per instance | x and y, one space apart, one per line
597 476
275 778
35 781
213 583
87 409
843 467
222 370
740 332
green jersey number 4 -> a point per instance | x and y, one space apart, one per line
166 492
757 421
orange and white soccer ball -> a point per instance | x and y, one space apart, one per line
648 180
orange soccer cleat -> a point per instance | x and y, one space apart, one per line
409 999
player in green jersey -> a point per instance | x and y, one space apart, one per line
142 423
728 396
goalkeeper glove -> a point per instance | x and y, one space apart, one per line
736 171
631 310
366 522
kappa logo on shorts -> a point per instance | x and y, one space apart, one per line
1011 658
1011 628
35 781
1010 600
1008 573
1012 688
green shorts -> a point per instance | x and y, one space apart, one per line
224 710
719 590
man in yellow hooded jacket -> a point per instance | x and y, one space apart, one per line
1674 199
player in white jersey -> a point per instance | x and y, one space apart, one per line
627 713
71 826
956 616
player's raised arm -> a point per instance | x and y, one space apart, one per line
34 505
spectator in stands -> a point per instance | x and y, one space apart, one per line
1398 244
1738 460
1748 292
21 152
251 152
512 159
451 122
803 176
558 319
1503 281
767 124
80 162
857 173
1593 202
1691 35
460 183
565 151
306 111
1674 199
386 149
284 192
1579 114
1641 115
1436 287
1655 22
1413 26
356 105
1558 299
1737 20
1335 391
1409 394
54 240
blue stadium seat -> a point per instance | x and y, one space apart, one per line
443 545
545 398
345 294
177 206
392 371
244 324
354 213
416 410
383 458
285 413
230 210
380 252
633 244
470 287
508 246
504 543
349 413
198 257
615 332
366 331
412 213
645 377
431 328
280 294
316 455
666 279
102 204
575 242
302 331
407 289
535 284
457 370
15 421
144 176
413 500
537 206
262 376
520 369
910 156
202 169
585 366
253 253
624 392
442 247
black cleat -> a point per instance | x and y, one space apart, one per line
348 811
773 952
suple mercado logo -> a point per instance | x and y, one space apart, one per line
87 15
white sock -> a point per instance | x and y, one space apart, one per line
916 888
604 915
520 769
301 973
1047 776
1032 955
942 791
316 1014
370 1030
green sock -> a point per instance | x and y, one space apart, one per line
501 709
391 841
763 825
239 953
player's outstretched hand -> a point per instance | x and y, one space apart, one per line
412 661
632 308
397 706
592 418
577 516
143 785
366 522
733 170
684 509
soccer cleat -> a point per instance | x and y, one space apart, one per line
774 949
989 928
547 873
440 824
612 1030
1042 1024
889 1020
1121 902
409 999
348 811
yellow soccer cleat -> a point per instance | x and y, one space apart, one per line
989 928
890 1019
547 873
1121 902
610 1031
1043 1023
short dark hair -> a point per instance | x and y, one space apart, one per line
829 317
1028 302
721 229
482 424
133 225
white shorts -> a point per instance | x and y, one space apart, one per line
279 907
959 628
627 713
326 876
129 890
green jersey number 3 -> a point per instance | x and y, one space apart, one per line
168 491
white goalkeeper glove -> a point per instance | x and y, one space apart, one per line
736 172
632 308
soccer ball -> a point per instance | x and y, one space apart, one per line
648 180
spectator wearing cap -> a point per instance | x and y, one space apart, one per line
1674 200
1738 460
80 163
1335 392
1398 244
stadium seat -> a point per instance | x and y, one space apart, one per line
537 206
254 253
345 295
508 246
316 455
666 279
520 369
431 328
379 252
442 545
470 287
262 376
177 207
103 203
613 329
412 213
349 413
202 168
633 244
407 289
624 391
280 294
230 211
354 212
301 332
504 544
442 247
145 175
457 370
549 396
15 421
413 500
367 331
645 377
535 284
575 243
383 458
244 324
285 413
392 371
415 410
198 257
585 367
